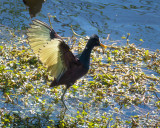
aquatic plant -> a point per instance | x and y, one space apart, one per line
121 89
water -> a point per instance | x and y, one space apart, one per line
117 18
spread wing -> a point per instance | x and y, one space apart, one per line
51 49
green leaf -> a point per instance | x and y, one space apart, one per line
141 40
1 47
123 37
75 86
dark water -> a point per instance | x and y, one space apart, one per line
140 18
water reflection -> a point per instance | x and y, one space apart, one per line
34 6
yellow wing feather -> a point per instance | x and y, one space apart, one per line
50 56
47 49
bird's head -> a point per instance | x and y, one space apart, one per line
94 41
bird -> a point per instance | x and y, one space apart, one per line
34 6
55 54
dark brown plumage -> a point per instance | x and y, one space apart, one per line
34 6
56 55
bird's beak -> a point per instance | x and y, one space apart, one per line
102 45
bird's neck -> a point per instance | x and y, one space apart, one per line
85 57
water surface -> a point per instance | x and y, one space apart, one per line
140 18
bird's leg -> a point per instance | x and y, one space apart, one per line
62 97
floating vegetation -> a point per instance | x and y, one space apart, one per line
120 90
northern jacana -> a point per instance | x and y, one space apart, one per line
55 54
